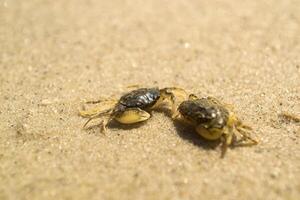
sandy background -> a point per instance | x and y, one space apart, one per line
55 54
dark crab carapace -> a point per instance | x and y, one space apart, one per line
134 106
214 120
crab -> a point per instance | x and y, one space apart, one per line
133 107
214 120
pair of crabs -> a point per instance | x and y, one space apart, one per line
211 119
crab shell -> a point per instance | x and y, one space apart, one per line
131 106
208 116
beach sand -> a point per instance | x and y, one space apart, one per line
56 54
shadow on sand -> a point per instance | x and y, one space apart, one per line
185 131
115 125
188 133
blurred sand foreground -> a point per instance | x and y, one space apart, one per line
55 54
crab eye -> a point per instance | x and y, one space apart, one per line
213 115
220 121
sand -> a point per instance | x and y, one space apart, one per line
56 54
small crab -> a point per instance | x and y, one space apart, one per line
134 106
214 120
